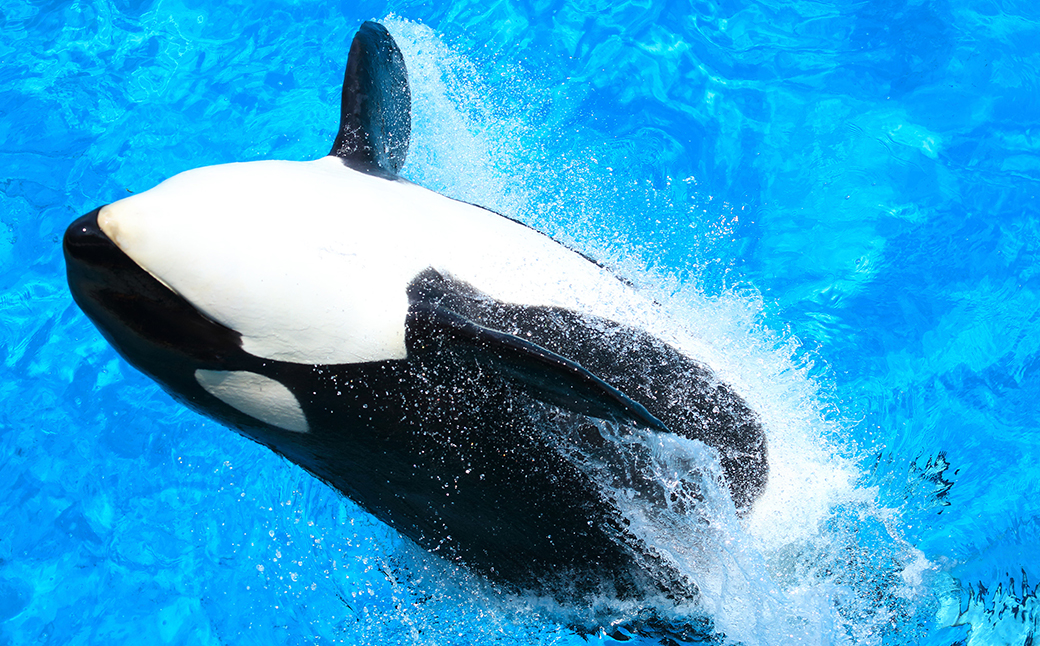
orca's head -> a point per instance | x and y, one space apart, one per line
154 328
238 259
195 358
221 281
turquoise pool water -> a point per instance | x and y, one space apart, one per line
837 200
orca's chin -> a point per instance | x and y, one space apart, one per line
155 329
86 245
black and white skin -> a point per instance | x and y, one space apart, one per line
459 375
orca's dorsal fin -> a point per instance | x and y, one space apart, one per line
375 121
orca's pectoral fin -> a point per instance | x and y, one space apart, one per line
547 376
376 111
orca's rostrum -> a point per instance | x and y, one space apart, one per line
452 371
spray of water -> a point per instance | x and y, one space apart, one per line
818 560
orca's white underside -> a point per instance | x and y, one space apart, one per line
310 261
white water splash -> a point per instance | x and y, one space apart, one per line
817 561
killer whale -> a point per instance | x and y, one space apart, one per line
451 370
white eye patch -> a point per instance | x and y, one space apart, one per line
255 395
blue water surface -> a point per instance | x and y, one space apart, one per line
837 200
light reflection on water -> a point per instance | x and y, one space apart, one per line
836 203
